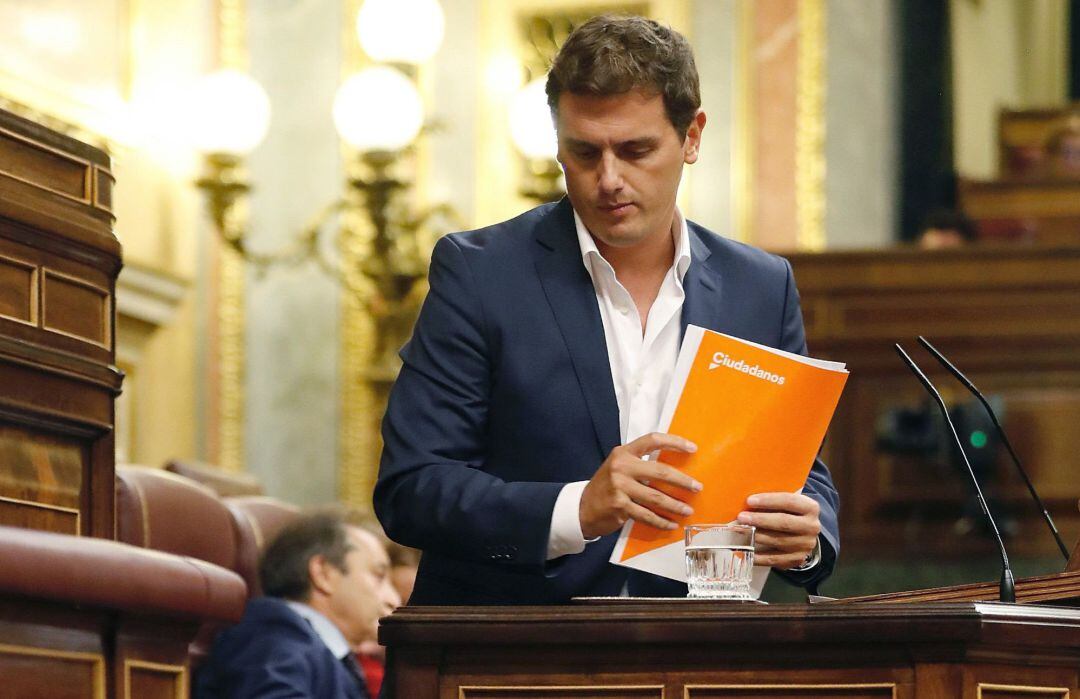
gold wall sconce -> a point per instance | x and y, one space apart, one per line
231 118
379 247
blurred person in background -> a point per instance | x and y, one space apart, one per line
326 584
945 229
1063 151
403 564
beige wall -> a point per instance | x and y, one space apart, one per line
159 223
1006 54
117 81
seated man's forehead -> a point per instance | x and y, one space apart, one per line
369 545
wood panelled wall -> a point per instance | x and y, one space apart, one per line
81 615
1009 317
58 265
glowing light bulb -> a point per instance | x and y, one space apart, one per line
400 31
530 122
230 113
378 109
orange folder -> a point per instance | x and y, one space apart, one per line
758 416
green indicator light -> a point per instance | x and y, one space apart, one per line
978 439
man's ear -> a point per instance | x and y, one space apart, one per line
692 143
321 573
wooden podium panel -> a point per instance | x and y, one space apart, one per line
58 265
1047 210
80 615
682 649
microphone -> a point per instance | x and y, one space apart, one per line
1007 586
1005 440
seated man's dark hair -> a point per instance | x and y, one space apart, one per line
612 55
283 569
951 220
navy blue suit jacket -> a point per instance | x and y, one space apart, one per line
506 395
273 653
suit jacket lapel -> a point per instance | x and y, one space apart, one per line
702 286
570 293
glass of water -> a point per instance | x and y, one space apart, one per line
719 561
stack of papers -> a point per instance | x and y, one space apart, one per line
758 416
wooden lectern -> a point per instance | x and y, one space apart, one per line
681 649
945 643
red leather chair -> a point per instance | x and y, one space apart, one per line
224 483
81 597
256 521
166 512
103 574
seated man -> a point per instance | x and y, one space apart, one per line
326 585
945 229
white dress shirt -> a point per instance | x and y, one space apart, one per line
324 628
641 363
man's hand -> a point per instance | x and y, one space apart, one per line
787 528
619 491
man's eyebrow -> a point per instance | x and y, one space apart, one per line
579 143
642 142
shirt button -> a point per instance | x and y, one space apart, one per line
624 309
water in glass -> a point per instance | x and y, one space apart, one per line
719 560
719 572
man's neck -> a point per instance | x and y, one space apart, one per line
641 268
649 258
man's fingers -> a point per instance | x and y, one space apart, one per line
781 561
647 516
792 503
658 471
765 544
654 441
650 471
656 500
620 488
781 523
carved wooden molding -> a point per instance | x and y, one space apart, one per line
176 674
95 661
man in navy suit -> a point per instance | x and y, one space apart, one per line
326 584
532 386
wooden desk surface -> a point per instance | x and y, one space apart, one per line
702 649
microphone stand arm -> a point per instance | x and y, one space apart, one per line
1007 585
1004 439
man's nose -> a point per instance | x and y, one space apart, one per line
609 175
391 597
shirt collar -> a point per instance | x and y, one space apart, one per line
679 231
324 628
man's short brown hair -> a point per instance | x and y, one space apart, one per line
283 569
612 55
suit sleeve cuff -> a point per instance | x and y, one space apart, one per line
811 561
565 535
